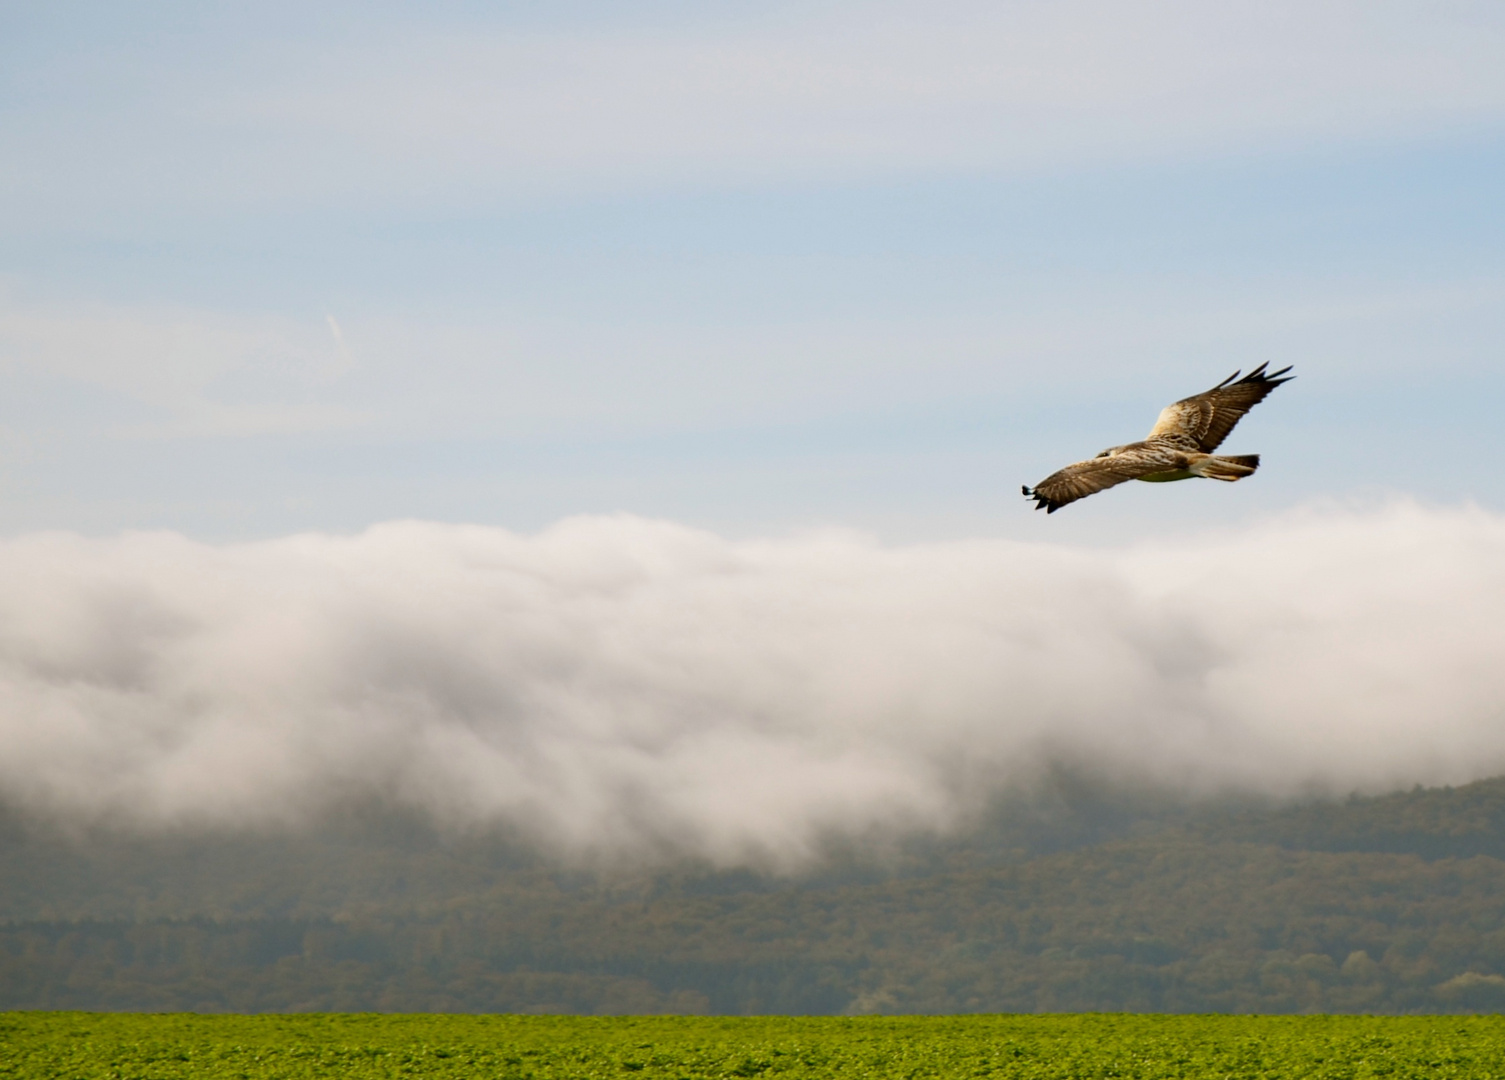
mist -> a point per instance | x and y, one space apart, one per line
621 686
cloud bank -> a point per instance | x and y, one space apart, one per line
615 684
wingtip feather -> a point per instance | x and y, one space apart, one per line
1268 378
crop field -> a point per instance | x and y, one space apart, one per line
133 1045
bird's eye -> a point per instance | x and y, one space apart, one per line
1106 453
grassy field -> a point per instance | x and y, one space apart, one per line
60 1046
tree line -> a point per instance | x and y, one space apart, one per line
1370 905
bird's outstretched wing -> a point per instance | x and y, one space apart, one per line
1206 419
1098 474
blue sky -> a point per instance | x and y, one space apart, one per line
754 268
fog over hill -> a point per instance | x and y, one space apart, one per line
626 766
625 689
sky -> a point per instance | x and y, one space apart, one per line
611 417
750 267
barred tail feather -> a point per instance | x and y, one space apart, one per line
1228 467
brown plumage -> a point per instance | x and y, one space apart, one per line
1178 447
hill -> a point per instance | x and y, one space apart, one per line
1078 900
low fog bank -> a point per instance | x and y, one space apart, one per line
620 686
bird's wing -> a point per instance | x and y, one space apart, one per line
1098 474
1206 419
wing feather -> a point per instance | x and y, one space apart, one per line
1098 474
1207 418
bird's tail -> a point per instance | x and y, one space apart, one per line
1228 468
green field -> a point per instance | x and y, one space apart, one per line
59 1046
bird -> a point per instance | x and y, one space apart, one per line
1179 446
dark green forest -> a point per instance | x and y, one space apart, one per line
1079 899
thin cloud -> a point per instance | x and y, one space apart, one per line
392 111
952 86
623 685
344 361
171 371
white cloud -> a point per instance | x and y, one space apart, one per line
617 684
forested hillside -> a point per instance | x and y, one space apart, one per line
1075 901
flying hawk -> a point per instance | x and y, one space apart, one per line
1180 445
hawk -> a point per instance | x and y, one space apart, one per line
1180 445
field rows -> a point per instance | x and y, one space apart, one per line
129 1046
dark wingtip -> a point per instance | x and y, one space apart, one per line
1042 502
1271 378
